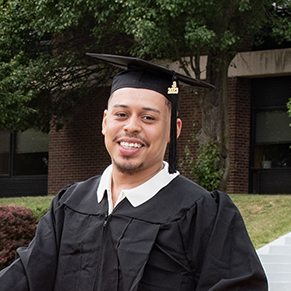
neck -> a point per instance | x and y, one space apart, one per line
123 181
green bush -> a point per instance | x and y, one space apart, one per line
205 167
39 211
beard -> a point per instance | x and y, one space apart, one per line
127 168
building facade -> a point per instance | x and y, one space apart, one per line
259 133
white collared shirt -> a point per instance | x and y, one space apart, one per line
138 195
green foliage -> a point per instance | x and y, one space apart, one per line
176 28
13 102
44 72
289 107
280 25
39 211
205 167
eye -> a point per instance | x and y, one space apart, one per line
120 115
148 118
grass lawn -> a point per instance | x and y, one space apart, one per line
267 217
27 201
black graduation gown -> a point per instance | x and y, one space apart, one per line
182 239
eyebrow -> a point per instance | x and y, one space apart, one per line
120 105
151 109
144 108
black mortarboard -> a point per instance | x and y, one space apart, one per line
138 73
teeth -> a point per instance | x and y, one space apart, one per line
128 145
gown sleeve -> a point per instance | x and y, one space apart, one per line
219 249
35 267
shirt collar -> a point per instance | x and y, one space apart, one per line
141 193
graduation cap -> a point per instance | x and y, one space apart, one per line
138 73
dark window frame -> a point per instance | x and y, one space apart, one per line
12 153
10 159
280 99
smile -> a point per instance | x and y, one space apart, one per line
128 145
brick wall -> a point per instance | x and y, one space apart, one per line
190 113
239 94
77 152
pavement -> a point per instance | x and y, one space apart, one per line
276 260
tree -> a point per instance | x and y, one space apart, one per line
174 29
44 72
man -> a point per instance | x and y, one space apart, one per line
140 226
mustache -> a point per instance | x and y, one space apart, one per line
135 136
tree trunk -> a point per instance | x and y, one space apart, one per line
214 106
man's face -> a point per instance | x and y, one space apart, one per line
136 127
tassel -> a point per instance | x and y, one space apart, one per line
173 134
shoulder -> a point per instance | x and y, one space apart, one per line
78 195
185 184
188 191
181 197
188 195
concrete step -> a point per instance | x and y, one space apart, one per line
288 240
277 267
279 277
275 259
279 286
284 250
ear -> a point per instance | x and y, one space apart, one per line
179 127
104 121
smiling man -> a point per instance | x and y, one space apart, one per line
140 226
136 127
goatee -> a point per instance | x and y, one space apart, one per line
128 168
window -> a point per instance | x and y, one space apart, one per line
23 153
272 139
30 153
270 157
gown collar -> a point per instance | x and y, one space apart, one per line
141 193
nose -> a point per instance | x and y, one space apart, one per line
132 124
